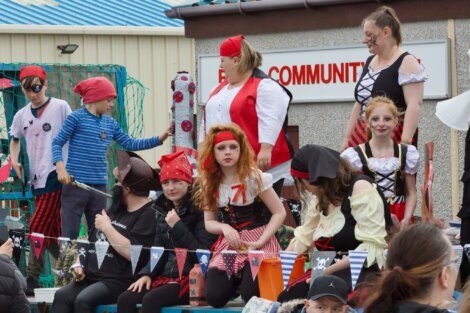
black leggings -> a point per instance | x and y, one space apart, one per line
220 289
152 300
84 297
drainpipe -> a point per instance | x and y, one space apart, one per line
252 6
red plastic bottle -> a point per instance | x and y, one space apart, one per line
197 284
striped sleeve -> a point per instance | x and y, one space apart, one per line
62 137
130 143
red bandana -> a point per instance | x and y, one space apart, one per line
32 70
231 47
175 166
95 89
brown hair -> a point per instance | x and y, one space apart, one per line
249 58
386 17
27 82
377 102
210 177
331 190
415 259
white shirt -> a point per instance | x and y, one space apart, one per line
271 107
38 134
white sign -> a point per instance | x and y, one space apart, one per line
330 75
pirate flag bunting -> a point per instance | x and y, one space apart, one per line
38 243
203 257
320 261
17 237
82 248
229 256
255 258
101 248
155 255
135 255
181 259
356 261
287 263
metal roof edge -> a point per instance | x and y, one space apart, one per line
92 30
183 12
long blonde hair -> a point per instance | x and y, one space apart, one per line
249 58
210 173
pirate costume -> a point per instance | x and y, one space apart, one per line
358 223
168 288
103 284
389 82
388 173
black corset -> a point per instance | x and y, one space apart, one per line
245 217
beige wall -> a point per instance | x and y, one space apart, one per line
151 59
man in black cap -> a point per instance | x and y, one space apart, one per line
328 294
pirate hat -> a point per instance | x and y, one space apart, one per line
312 162
135 173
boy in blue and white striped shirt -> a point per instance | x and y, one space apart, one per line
89 132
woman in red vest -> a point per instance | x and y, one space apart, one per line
252 100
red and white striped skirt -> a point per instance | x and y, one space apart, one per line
271 249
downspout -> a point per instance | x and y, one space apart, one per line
252 6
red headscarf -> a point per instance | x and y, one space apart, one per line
175 166
32 70
95 89
231 46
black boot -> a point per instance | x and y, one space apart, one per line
31 284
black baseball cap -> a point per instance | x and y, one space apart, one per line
329 285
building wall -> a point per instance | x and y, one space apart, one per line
325 123
153 60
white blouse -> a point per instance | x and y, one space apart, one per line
271 106
228 193
384 165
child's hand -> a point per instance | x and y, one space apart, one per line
168 132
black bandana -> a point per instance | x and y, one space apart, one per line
317 161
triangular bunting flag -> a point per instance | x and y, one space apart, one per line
64 245
101 247
5 171
82 251
287 263
466 249
459 251
320 261
135 255
255 258
356 261
181 254
203 257
17 236
295 207
38 243
155 255
229 256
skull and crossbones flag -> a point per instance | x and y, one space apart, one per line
17 236
82 249
203 257
320 261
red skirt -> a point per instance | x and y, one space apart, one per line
271 249
359 134
183 282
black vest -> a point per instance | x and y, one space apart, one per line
399 152
386 83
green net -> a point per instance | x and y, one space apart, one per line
128 111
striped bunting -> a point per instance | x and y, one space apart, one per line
287 262
356 261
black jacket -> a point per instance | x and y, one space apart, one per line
189 233
413 307
12 285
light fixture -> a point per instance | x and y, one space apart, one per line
68 48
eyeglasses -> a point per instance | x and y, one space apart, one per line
36 88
